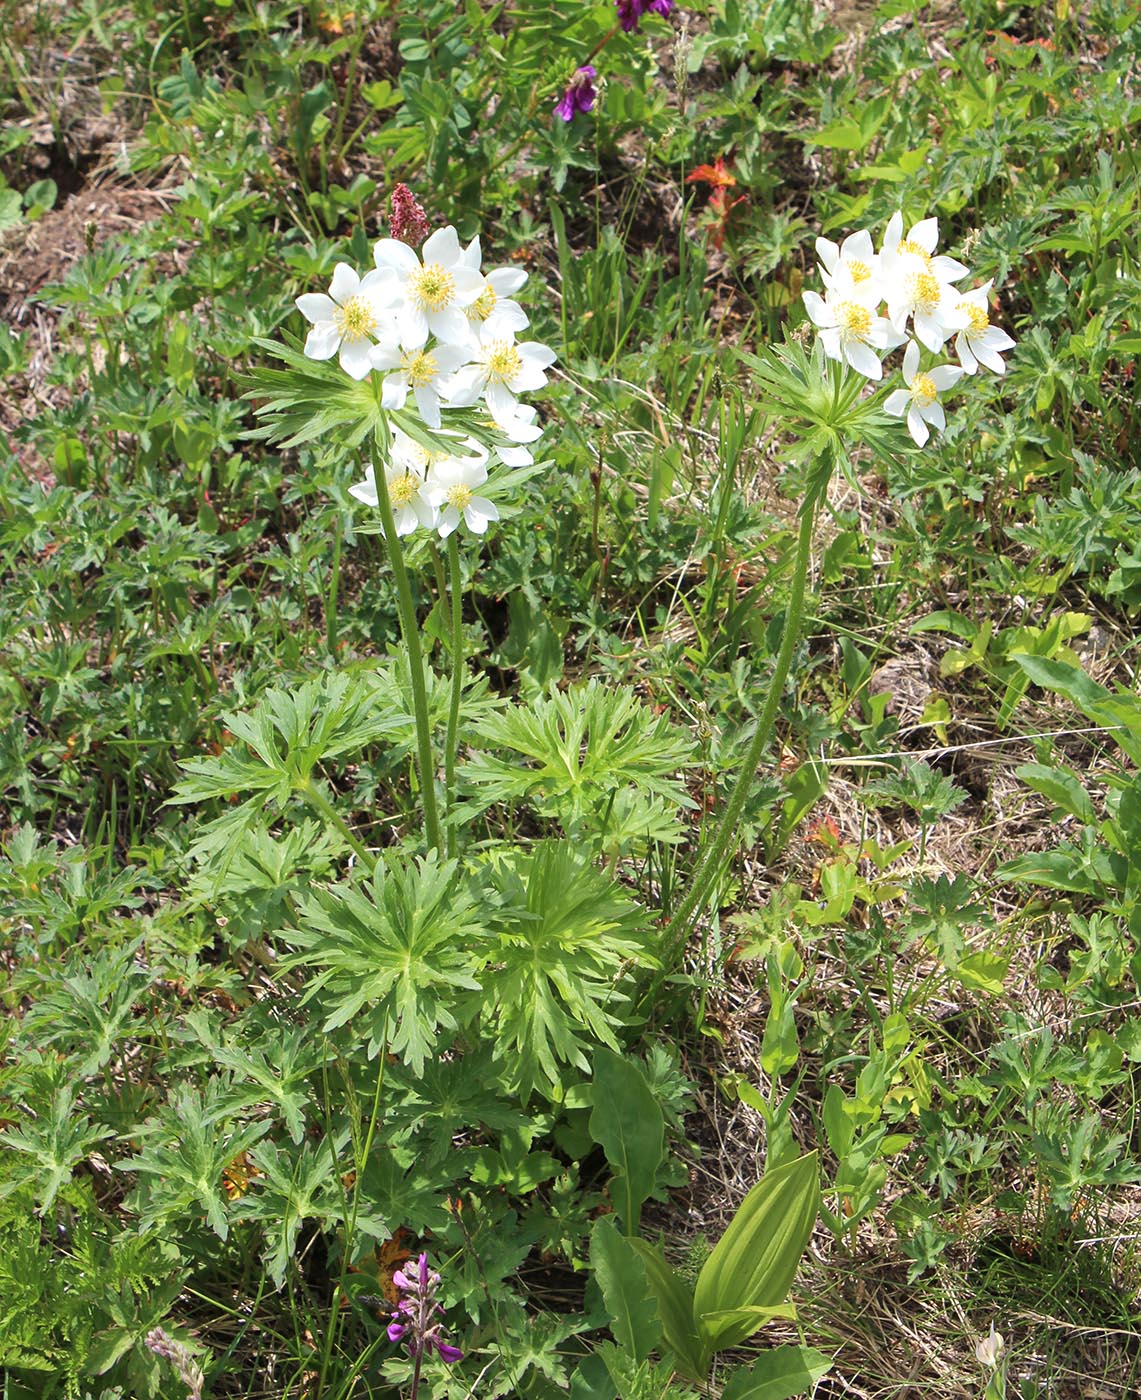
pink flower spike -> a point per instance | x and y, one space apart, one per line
407 218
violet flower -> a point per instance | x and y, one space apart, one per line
630 12
413 1321
580 93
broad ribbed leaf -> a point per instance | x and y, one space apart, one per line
754 1262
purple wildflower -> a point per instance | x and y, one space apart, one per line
189 1372
580 93
630 12
413 1321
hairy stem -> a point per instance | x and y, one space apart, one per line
719 849
411 631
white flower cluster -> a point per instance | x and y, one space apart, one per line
917 285
443 334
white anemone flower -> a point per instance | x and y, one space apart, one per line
851 270
404 474
494 304
426 374
978 343
451 489
920 400
350 318
918 284
434 294
521 429
850 331
500 370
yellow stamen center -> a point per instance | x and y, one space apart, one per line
402 489
502 362
907 246
420 367
433 287
459 496
979 320
858 271
355 319
484 304
923 292
923 391
854 320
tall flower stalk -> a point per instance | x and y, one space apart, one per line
455 589
721 847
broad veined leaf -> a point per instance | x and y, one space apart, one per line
621 1274
627 1123
674 1300
779 1374
753 1263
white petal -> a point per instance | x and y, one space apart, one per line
385 355
478 512
390 252
917 427
514 456
527 378
535 354
322 341
995 338
963 350
931 331
345 283
464 388
470 286
828 253
316 306
451 326
987 355
506 281
926 234
413 327
894 231
910 361
382 285
896 403
428 402
945 377
933 413
442 247
355 359
830 339
817 309
394 394
501 404
863 359
506 319
406 520
366 490
472 255
859 245
449 519
947 269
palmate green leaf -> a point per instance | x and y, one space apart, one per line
753 1264
402 947
54 1143
290 1187
566 939
621 1274
628 1125
581 748
311 400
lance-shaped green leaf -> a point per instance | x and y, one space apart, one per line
627 1123
720 1330
779 1374
621 1274
753 1264
675 1310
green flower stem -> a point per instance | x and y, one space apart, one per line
411 630
321 804
455 588
712 862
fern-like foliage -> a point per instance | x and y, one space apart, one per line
556 989
595 759
398 951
